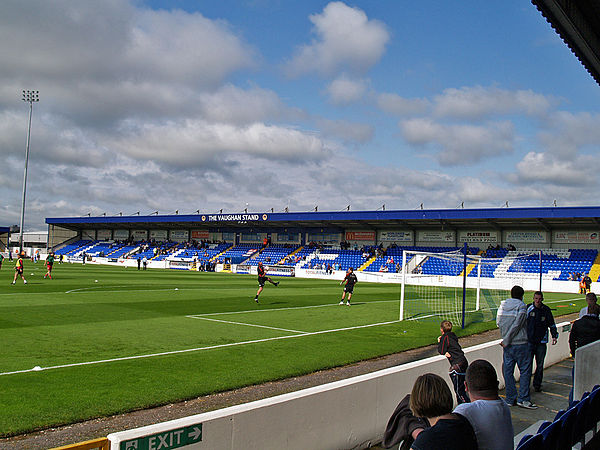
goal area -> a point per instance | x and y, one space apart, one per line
459 287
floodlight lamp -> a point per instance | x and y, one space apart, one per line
31 96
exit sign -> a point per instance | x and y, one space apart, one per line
166 440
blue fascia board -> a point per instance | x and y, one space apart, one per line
4 230
349 216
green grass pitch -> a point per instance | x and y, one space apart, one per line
110 340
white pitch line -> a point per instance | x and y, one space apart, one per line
193 316
232 344
92 289
211 347
249 324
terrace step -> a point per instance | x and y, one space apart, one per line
595 270
291 254
470 267
367 263
216 256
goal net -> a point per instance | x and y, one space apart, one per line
459 288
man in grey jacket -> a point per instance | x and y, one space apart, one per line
512 321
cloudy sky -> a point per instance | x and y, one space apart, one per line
173 105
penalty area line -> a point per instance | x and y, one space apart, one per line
190 350
247 324
288 308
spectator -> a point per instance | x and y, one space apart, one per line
488 413
431 398
587 282
403 426
591 299
582 286
584 331
539 320
449 347
512 321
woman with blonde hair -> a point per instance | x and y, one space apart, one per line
431 398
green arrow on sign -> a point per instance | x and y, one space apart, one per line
166 440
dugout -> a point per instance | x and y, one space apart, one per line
543 227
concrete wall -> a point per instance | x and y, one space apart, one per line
345 414
587 368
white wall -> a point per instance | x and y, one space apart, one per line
531 284
587 368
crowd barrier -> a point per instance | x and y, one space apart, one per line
345 414
94 444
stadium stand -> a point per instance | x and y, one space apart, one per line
121 250
557 264
204 253
74 248
239 253
273 254
321 258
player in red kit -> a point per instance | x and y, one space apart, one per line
262 279
350 280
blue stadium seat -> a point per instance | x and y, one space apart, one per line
580 422
566 422
550 436
593 414
544 425
559 414
529 442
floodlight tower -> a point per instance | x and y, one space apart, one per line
29 97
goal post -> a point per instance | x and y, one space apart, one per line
458 286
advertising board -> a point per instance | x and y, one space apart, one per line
360 235
436 236
478 236
396 236
527 236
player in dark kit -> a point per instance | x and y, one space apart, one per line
350 280
19 269
262 279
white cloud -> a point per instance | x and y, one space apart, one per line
346 41
346 131
194 143
545 168
184 47
460 144
400 106
52 141
567 134
233 105
344 90
477 102
99 62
